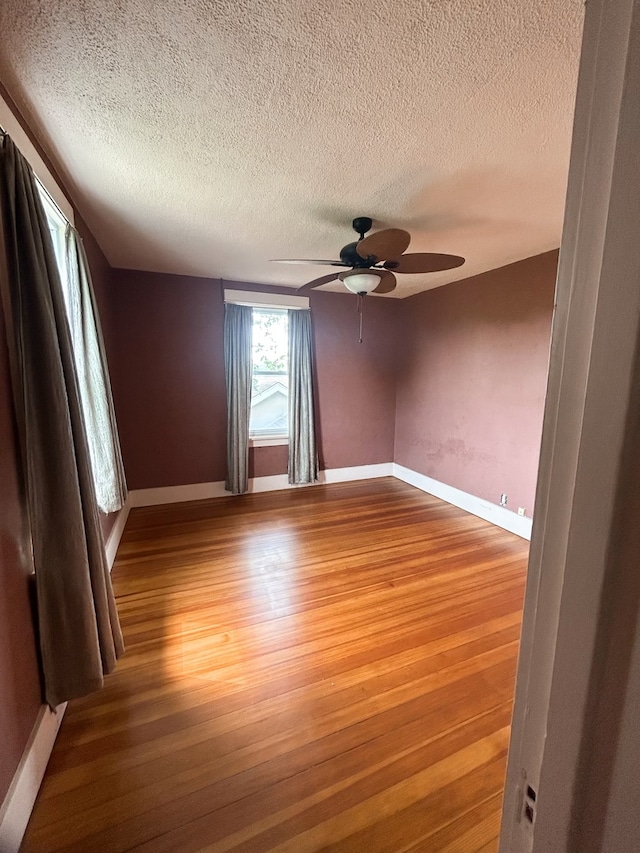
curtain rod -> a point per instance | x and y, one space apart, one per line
4 132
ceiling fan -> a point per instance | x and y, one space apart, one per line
372 261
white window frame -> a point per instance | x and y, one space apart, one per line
260 299
277 301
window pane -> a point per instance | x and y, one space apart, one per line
57 224
270 384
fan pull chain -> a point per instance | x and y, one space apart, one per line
359 310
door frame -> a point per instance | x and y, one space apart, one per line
574 572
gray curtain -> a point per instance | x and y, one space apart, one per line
93 378
238 320
303 454
79 631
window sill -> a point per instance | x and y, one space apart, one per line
269 441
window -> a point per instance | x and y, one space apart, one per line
57 223
270 374
91 371
269 414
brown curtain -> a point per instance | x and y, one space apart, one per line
80 635
238 324
303 453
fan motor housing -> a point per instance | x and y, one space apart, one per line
350 257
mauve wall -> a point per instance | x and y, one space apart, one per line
168 379
472 380
266 461
356 383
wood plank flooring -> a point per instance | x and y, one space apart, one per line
320 669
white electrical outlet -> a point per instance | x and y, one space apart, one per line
503 499
521 510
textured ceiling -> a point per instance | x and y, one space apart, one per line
204 137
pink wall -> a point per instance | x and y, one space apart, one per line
168 378
472 380
449 383
266 461
356 383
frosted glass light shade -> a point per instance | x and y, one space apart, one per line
360 282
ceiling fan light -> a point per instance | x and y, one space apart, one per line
360 281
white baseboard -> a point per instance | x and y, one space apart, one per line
111 545
177 494
498 515
359 472
276 482
21 796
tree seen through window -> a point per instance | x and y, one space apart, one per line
270 374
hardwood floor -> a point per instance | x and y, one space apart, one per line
327 669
